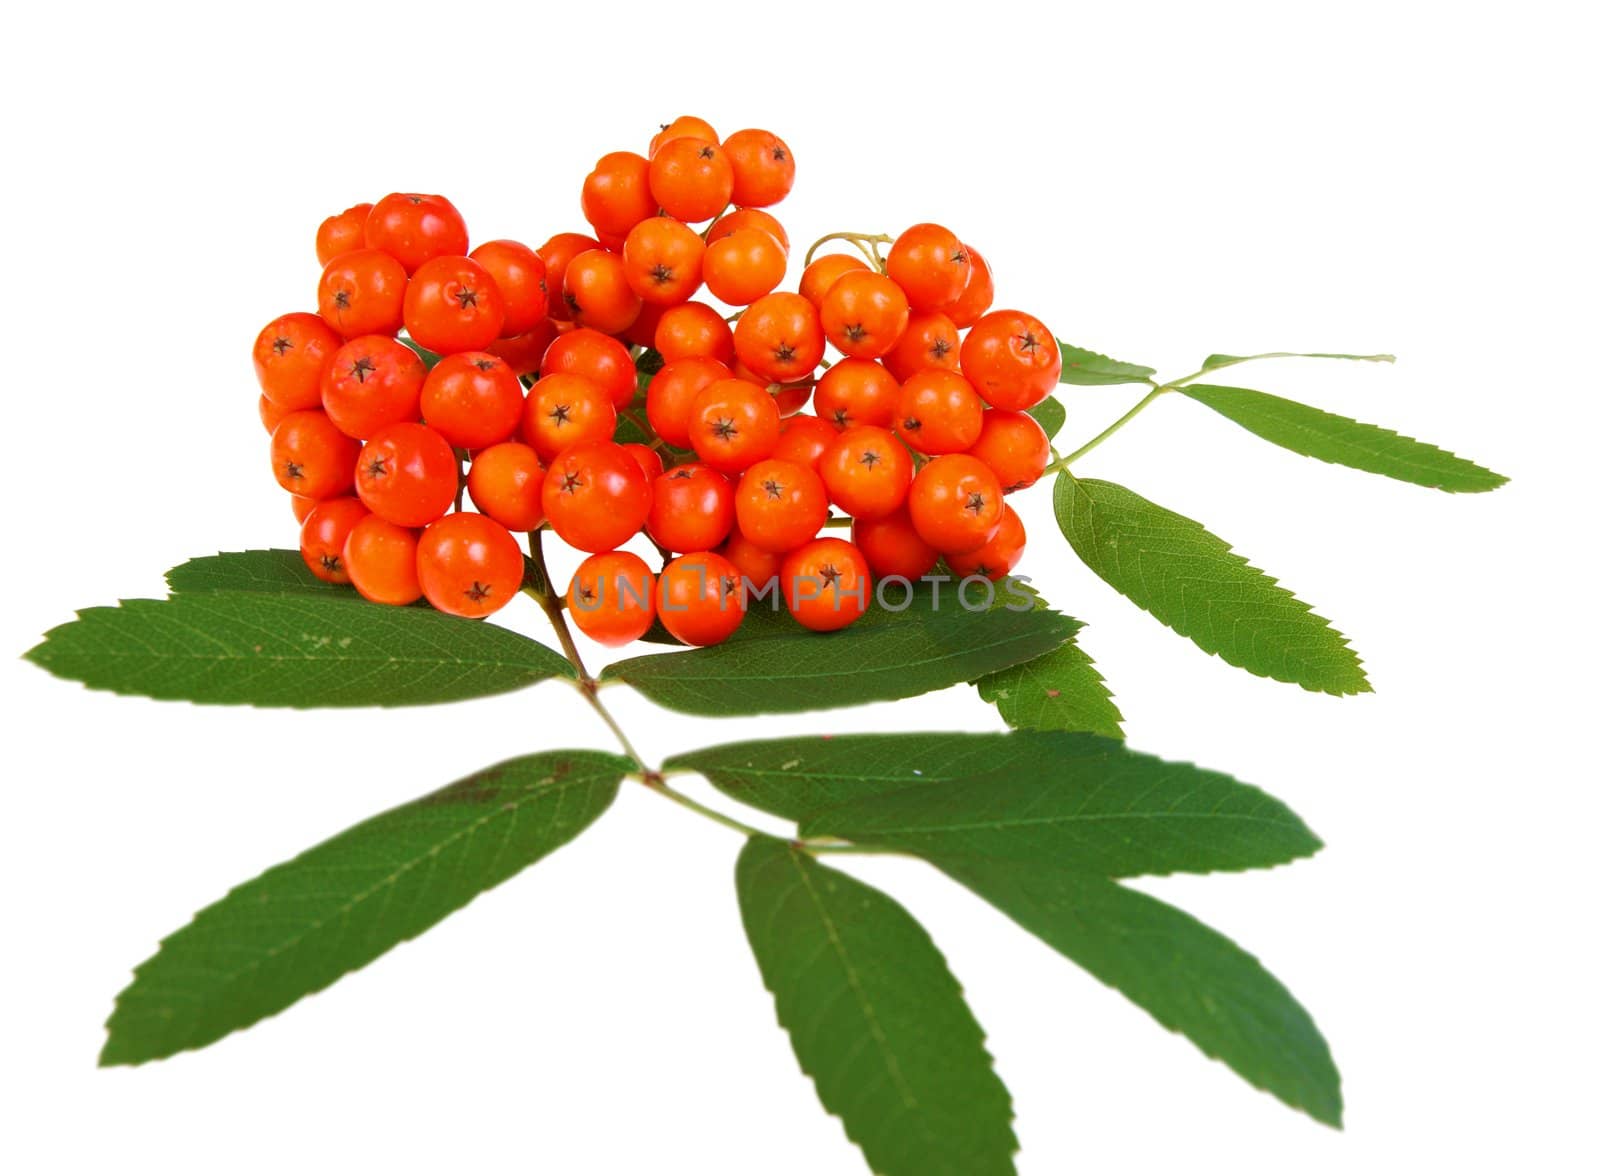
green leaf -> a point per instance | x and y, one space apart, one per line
1191 979
1051 415
274 569
1058 691
1080 366
1192 581
1342 441
335 908
774 666
291 649
429 358
875 1018
1213 362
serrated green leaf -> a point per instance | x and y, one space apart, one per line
273 569
1342 441
335 908
875 1018
1193 582
291 649
1051 415
1190 978
1057 691
774 666
1083 367
1213 362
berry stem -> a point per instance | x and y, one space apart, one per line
867 243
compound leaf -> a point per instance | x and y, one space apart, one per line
1057 691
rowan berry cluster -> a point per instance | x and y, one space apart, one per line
513 375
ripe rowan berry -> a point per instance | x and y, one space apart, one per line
929 263
930 341
342 232
700 598
524 352
763 167
452 304
791 399
999 555
938 412
407 474
289 355
748 218
758 566
381 560
733 424
372 382
413 228
691 509
506 482
362 293
1014 446
693 329
864 314
566 409
558 253
301 506
519 275
311 457
596 292
955 503
691 179
596 356
803 438
269 413
780 505
649 460
473 399
642 331
661 260
596 496
822 273
322 537
892 546
671 394
857 392
1012 359
826 584
976 296
685 126
468 565
616 194
867 471
744 265
612 597
779 337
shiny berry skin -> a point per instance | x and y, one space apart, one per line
362 292
596 292
269 413
413 228
301 506
1012 359
662 260
763 167
780 505
999 556
1014 446
691 179
289 355
826 584
372 382
612 597
596 496
596 356
671 394
693 330
733 424
757 565
938 412
685 126
978 294
506 482
892 546
564 410
857 392
647 459
452 304
558 253
473 399
929 263
691 508
744 265
407 474
700 598
519 275
930 341
955 504
822 273
342 232
748 218
864 314
311 457
468 565
803 439
523 353
381 560
780 338
616 194
867 472
322 537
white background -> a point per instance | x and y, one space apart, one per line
1157 183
